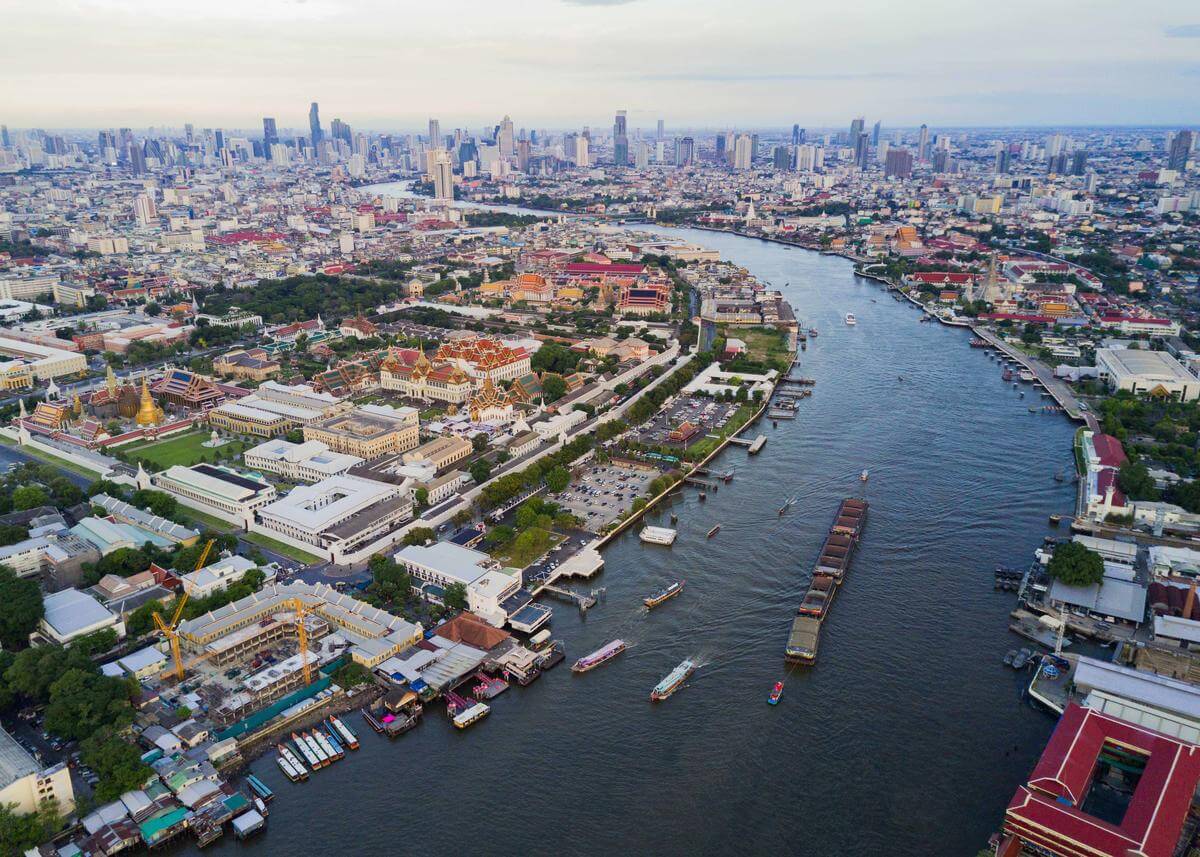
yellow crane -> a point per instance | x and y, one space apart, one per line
302 610
171 630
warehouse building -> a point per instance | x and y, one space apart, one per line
1156 373
213 490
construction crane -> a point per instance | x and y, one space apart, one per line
302 610
171 630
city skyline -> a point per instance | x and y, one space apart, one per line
584 59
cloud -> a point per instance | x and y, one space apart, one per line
739 77
1183 31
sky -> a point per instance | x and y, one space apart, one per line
392 64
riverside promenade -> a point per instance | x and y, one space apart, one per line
1056 387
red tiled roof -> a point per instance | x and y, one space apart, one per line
593 268
1109 450
1047 810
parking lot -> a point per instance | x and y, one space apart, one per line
602 492
706 415
540 571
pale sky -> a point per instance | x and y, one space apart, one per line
391 64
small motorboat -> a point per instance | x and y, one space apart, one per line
865 475
714 531
1008 657
776 692
1021 659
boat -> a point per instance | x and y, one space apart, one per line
554 656
288 769
673 681
658 535
787 504
1026 375
865 475
1021 659
259 788
812 331
1007 375
602 655
714 531
348 736
1008 657
776 692
670 592
850 319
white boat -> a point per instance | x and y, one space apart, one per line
658 535
865 475
465 718
850 319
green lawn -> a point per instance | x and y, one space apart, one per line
281 548
519 553
204 521
706 444
52 459
186 449
762 343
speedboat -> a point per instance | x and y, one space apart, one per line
776 692
864 476
850 319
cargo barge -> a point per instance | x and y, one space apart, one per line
832 564
602 655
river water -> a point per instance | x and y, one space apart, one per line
908 736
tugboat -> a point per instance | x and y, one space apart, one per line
670 592
674 680
776 692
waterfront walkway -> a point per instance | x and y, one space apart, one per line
1056 387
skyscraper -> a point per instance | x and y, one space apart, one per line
581 151
620 140
270 135
720 147
4 141
796 135
1078 162
685 152
443 176
660 130
1003 160
743 152
862 147
339 130
314 126
435 134
144 209
1181 150
856 128
923 144
875 134
781 158
505 139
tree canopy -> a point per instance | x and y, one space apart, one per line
1076 565
20 608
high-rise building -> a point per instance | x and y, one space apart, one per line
189 133
620 139
743 152
943 162
144 210
524 153
796 135
435 134
685 152
1180 151
582 156
720 147
660 130
641 154
923 144
875 134
314 126
1057 164
862 148
1079 162
1003 160
136 159
856 128
339 130
781 158
899 163
270 135
505 139
4 140
443 176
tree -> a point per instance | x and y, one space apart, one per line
158 502
82 702
123 562
479 442
29 497
455 596
1135 481
21 608
141 620
1076 565
480 470
116 762
462 517
351 674
19 833
553 386
419 536
96 642
421 496
558 479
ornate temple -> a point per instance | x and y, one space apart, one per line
114 400
411 373
491 404
188 390
148 413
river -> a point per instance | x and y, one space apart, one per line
908 736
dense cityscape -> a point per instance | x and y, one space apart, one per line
310 431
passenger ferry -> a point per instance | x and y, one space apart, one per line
670 592
603 654
850 319
658 535
673 681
